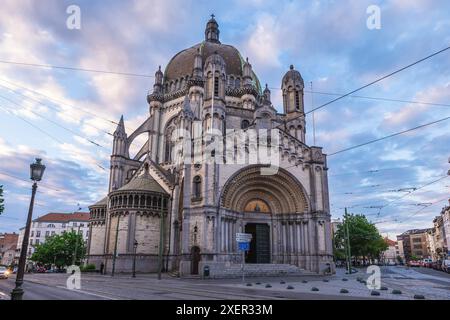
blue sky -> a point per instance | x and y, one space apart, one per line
327 41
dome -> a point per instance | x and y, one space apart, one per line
182 64
293 75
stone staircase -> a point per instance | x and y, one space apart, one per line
258 270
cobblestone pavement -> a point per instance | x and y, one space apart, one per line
429 283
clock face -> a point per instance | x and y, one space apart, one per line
257 205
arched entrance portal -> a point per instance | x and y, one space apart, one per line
195 256
265 203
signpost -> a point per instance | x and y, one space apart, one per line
243 240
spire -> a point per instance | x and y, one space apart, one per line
247 73
212 30
158 81
266 94
120 130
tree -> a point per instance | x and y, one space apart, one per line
365 240
2 206
60 250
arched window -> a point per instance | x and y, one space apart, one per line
197 185
238 83
245 124
216 86
297 100
51 225
169 144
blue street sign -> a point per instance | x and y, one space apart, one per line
244 246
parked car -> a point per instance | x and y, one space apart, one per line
413 263
437 265
427 263
4 272
446 265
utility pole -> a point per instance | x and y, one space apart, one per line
161 240
115 247
74 259
347 246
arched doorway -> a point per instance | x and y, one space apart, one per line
260 245
195 259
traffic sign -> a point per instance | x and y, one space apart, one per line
244 246
243 237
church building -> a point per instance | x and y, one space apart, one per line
169 209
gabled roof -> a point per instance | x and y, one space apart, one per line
390 242
63 217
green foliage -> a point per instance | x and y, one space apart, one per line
365 240
88 267
2 206
399 259
60 250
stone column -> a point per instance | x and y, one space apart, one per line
222 234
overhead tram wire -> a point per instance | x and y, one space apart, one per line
374 98
53 108
373 82
55 123
389 136
423 208
58 101
25 64
8 111
45 185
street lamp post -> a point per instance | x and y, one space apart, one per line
135 244
36 173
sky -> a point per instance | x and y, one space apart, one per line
66 116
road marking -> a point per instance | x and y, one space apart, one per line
88 293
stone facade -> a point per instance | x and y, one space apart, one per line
206 91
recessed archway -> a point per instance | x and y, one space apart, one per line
282 192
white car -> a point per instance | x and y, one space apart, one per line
4 272
446 265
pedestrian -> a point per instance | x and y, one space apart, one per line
102 266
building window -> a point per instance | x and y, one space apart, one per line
37 241
197 184
74 224
216 86
32 234
81 224
51 225
47 233
245 124
38 234
53 233
297 100
63 225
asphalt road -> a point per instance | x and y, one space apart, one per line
431 283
